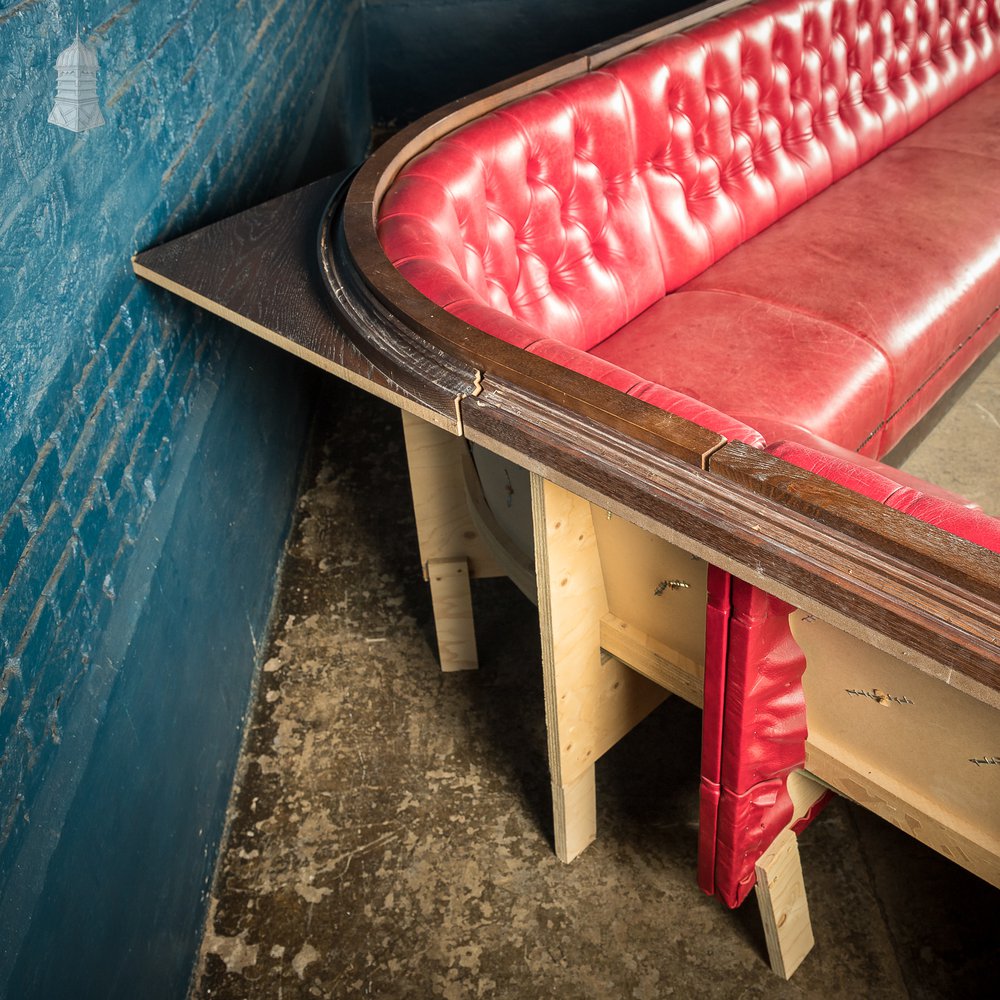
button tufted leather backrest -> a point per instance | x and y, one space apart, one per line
567 213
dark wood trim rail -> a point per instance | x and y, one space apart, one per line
940 553
903 585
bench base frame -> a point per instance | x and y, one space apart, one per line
603 673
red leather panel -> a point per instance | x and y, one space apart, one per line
764 728
699 413
972 525
587 364
708 834
812 812
717 615
719 609
747 824
754 728
538 210
753 734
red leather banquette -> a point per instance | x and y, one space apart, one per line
782 224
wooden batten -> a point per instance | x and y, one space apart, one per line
784 910
453 621
664 666
574 815
444 528
591 700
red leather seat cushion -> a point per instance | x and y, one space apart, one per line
848 318
754 360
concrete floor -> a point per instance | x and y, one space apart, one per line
390 831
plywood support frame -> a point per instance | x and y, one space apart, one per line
603 675
592 700
452 548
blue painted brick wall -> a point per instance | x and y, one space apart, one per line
113 400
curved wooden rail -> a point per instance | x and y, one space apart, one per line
902 585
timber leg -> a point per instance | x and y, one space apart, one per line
781 896
452 549
574 811
451 597
591 699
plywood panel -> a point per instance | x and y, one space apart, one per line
914 730
655 586
590 701
444 528
505 528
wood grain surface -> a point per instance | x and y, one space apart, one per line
260 270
